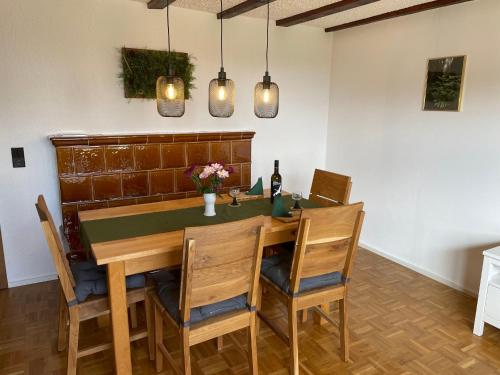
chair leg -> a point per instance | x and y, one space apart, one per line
335 305
133 315
74 328
150 325
293 337
186 355
220 343
252 345
259 307
63 323
318 319
303 315
104 321
158 339
344 330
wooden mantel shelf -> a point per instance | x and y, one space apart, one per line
146 138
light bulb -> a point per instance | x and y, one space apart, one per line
171 94
222 93
266 95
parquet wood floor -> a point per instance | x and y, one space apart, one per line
401 323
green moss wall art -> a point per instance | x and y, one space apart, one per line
445 81
142 67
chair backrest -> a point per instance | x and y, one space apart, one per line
56 250
327 242
330 189
221 262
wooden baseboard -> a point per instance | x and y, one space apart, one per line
3 272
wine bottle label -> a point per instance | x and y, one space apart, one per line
276 189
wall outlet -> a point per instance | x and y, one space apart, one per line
18 157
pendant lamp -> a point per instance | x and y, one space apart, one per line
266 98
170 89
221 90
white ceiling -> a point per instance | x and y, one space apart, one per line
285 8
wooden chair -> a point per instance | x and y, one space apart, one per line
330 189
318 272
217 290
327 189
93 307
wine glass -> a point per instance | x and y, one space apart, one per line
234 192
296 197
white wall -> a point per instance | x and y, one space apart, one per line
430 181
59 66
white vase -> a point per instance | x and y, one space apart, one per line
209 204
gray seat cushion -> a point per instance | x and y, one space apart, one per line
168 288
277 270
91 279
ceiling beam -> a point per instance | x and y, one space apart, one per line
397 13
323 11
159 4
244 7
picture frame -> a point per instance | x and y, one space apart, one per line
444 84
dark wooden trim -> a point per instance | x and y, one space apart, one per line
397 13
323 11
86 140
159 4
3 272
244 7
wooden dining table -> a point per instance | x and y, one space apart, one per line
138 254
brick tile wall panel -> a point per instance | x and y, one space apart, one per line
109 171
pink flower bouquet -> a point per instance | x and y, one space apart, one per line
208 178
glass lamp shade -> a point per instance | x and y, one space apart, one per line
266 100
221 97
170 96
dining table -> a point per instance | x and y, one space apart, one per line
141 238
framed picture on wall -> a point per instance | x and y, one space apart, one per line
445 83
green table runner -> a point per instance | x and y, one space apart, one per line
120 228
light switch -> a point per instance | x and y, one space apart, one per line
18 157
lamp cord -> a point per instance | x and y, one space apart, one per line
168 32
221 54
267 39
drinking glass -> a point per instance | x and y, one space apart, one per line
296 197
234 193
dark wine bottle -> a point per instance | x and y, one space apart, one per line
275 181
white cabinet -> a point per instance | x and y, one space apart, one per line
488 303
492 309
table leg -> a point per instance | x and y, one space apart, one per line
119 318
